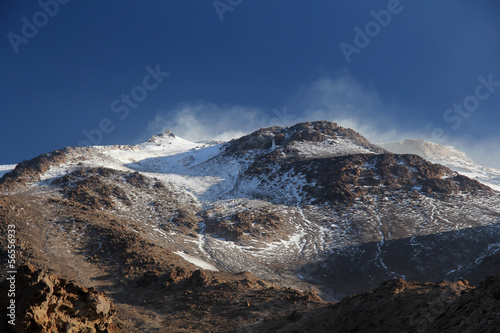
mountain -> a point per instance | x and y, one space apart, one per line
6 168
448 156
314 207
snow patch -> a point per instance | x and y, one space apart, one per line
198 262
329 148
6 168
448 156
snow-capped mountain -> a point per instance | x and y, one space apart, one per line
6 168
314 204
447 156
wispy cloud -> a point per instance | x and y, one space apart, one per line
351 104
207 121
485 151
342 99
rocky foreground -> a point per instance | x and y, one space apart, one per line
404 306
186 301
48 303
203 302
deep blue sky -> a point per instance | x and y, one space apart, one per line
265 55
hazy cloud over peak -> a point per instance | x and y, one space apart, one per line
340 99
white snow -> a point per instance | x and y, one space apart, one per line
198 262
6 168
329 148
218 184
448 156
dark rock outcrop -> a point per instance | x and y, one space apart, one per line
30 170
309 131
404 306
258 224
48 303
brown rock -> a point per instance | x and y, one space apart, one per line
47 303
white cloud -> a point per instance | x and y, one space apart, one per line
342 100
350 104
203 121
485 152
340 96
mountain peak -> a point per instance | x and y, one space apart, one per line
449 157
166 137
426 149
167 134
306 136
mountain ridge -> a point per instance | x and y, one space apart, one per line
448 156
313 205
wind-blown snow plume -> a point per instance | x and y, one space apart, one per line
342 99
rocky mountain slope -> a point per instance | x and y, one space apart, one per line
314 205
404 306
447 156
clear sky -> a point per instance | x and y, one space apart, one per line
117 71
